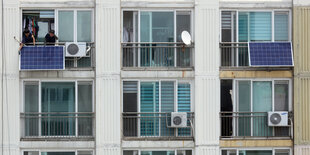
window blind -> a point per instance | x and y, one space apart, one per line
281 27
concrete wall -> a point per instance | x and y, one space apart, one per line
10 89
108 139
207 84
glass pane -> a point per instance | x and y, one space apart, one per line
65 26
183 24
184 152
262 102
130 152
85 97
130 103
57 153
244 97
243 26
31 97
281 26
282 152
167 106
58 97
149 102
85 121
162 27
85 153
145 27
84 26
31 153
254 152
31 105
281 96
260 26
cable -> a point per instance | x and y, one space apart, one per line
2 80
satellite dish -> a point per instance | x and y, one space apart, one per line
186 38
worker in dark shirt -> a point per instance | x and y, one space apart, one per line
51 38
28 39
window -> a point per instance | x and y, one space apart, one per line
58 111
155 26
254 99
255 26
58 153
75 25
256 152
157 99
38 22
143 152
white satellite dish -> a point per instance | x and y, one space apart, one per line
186 38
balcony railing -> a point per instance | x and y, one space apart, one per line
155 126
250 125
234 54
57 125
157 55
84 62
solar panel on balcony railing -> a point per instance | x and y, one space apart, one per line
42 58
271 54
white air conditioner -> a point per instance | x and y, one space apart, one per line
279 118
74 49
178 119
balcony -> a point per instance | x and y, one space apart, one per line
155 126
57 125
234 54
157 56
53 57
250 125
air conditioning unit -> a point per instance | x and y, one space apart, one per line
74 49
279 118
178 119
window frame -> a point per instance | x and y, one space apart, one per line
56 20
273 149
273 80
158 10
260 10
58 150
176 82
39 82
75 10
156 149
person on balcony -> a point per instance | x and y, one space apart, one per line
50 38
28 39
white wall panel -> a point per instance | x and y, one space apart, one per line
207 83
10 99
302 149
108 134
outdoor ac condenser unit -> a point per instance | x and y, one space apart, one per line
178 119
279 118
75 49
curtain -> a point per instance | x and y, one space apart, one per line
58 97
149 102
167 106
184 105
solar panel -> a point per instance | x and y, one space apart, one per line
42 58
271 54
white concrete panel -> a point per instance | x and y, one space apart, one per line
157 144
10 100
207 150
250 4
157 3
157 74
57 145
207 38
302 149
301 2
57 3
57 74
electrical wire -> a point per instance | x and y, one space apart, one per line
2 81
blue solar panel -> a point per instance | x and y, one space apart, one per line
271 54
42 58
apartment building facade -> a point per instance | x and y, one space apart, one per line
133 74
